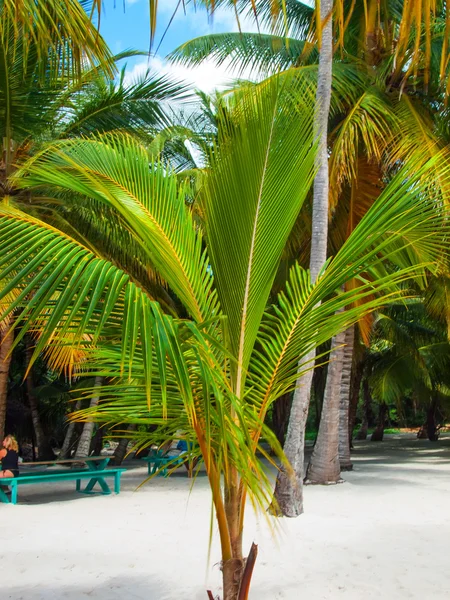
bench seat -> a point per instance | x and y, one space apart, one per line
95 476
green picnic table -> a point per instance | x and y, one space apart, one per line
159 461
95 472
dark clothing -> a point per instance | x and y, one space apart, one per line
10 462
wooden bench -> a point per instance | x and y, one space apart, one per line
96 472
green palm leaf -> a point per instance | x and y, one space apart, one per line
61 32
261 171
115 171
255 52
406 226
139 107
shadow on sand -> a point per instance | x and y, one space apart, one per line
114 588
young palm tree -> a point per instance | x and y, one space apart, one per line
215 372
369 125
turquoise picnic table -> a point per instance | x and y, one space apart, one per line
160 462
95 472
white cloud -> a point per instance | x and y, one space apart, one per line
221 19
206 77
132 1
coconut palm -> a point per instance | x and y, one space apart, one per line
61 34
410 352
215 371
368 126
38 106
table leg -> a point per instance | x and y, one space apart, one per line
102 483
96 466
14 493
117 482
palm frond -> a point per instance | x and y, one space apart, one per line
138 108
261 171
63 34
306 316
367 128
115 171
255 53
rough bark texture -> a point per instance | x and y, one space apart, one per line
233 566
44 449
5 361
431 426
97 442
289 486
68 440
344 400
367 400
280 416
321 182
232 571
377 435
319 382
355 387
121 450
84 443
289 489
324 467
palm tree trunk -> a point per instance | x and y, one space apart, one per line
280 416
362 433
121 450
44 449
288 495
355 387
97 442
377 435
84 443
319 381
324 466
232 569
344 407
432 430
6 342
289 489
67 444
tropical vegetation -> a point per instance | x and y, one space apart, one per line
172 297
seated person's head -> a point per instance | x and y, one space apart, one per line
10 443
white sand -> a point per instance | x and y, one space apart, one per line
385 533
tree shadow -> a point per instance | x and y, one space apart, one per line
114 588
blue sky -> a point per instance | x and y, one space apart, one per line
125 28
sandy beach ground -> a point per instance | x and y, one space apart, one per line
384 533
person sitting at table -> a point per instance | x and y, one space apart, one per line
9 455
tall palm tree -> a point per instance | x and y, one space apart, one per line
214 372
287 490
367 126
